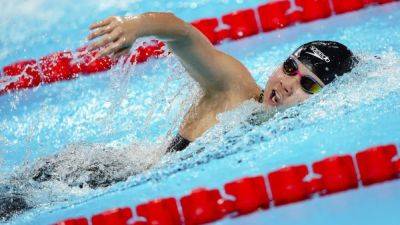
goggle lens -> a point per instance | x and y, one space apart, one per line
290 67
307 83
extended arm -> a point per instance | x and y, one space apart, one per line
214 70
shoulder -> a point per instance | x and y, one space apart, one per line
238 80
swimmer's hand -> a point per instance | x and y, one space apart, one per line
116 36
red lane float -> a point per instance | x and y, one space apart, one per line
67 65
153 49
20 75
76 221
341 6
368 2
337 174
119 216
287 185
160 211
250 194
376 164
276 14
84 63
56 67
204 206
273 15
241 24
314 9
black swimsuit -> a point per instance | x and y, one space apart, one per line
178 144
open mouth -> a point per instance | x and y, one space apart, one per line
274 97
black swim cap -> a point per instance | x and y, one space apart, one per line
327 59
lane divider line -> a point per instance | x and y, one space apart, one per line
283 186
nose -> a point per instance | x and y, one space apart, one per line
288 86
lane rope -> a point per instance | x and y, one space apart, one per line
283 186
273 15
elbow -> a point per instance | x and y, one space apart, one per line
176 27
183 28
165 26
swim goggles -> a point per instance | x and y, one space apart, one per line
307 82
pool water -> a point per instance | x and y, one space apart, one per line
126 115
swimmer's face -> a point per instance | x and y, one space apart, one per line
283 91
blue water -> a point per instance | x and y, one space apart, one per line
135 110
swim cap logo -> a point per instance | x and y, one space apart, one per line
320 55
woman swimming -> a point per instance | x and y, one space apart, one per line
226 83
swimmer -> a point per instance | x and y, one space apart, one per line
225 82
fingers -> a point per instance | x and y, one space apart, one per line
100 31
115 46
114 35
102 23
111 38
